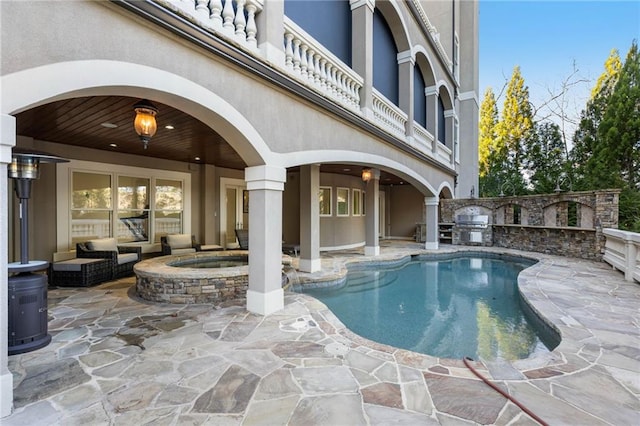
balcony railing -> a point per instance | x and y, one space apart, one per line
388 115
622 251
423 138
310 61
443 153
234 19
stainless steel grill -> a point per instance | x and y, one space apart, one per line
478 221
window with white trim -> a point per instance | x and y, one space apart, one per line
324 198
342 201
133 205
364 205
357 207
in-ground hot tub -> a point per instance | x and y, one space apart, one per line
182 279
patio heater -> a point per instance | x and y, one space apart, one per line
27 290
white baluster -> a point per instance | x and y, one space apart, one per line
303 60
355 97
331 89
316 68
288 50
340 87
323 73
344 83
336 84
252 28
296 56
202 11
227 15
215 6
187 5
311 66
356 101
240 22
349 92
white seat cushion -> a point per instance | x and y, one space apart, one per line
73 264
179 241
210 247
182 250
103 244
127 257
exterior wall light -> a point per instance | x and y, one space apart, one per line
366 175
145 121
562 180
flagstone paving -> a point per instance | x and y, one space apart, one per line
116 359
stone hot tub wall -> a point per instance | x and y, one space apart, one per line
158 281
543 223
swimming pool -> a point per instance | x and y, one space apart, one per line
450 307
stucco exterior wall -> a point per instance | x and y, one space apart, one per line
285 122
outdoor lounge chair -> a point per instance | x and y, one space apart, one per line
122 258
179 244
243 238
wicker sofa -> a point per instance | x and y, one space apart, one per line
122 258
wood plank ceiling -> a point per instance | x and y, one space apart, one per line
106 123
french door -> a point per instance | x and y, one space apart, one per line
234 210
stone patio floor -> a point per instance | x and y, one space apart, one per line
115 359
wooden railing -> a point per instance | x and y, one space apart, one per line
622 251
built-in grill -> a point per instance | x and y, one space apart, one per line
471 229
480 221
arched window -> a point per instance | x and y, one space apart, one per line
419 99
385 59
442 134
329 22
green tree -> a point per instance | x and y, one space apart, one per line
487 133
546 160
492 157
514 129
617 155
503 142
619 131
586 136
607 143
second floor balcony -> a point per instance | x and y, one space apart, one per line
415 105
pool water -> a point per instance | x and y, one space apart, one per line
449 308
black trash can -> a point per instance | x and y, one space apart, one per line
28 328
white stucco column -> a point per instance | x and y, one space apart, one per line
362 50
265 185
450 119
309 219
431 94
270 22
406 64
431 243
7 141
372 218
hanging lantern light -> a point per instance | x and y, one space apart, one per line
366 175
145 121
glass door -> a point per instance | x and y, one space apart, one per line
234 210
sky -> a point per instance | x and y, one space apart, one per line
545 38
